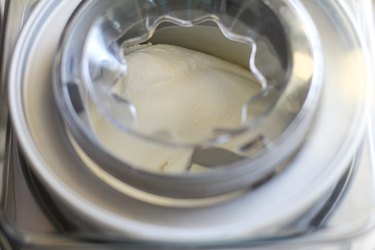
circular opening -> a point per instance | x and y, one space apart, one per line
200 92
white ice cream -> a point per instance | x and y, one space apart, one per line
185 92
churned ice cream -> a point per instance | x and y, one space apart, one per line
176 92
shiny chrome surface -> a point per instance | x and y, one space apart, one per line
13 15
275 120
265 211
2 91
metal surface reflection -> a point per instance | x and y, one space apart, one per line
55 196
272 117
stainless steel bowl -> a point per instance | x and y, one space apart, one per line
283 54
93 194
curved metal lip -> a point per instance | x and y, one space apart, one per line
239 175
89 210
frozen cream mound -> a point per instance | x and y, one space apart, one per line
185 92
